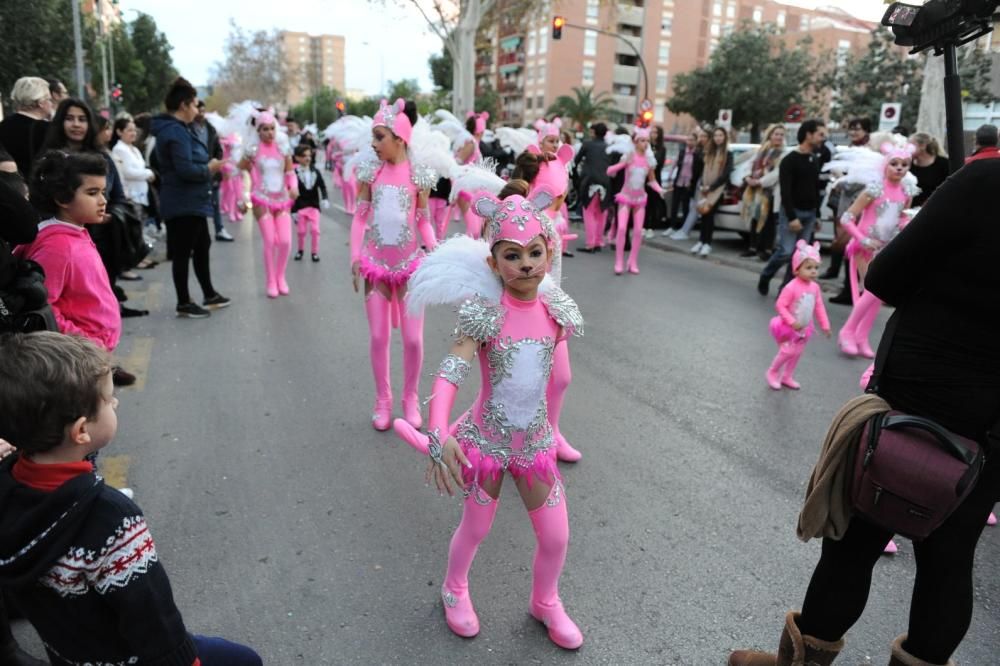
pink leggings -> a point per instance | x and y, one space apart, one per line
276 232
308 221
638 218
593 223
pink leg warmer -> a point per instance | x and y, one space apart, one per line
439 215
865 323
300 230
555 394
592 223
350 193
266 225
623 212
309 222
379 324
551 525
413 360
774 372
796 349
638 220
473 223
282 248
478 512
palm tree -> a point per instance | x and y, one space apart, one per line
584 106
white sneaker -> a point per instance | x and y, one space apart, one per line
678 235
668 233
696 248
127 492
705 250
648 233
224 235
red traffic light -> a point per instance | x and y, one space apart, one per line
340 106
646 118
557 25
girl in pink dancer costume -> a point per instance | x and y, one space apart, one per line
640 165
553 174
385 250
873 220
273 189
231 193
512 318
466 136
312 195
799 301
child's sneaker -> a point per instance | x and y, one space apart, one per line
298 255
315 257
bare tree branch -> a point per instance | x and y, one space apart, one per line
433 25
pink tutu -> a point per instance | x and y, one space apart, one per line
783 333
542 467
273 205
374 272
638 199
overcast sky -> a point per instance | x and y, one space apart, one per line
385 38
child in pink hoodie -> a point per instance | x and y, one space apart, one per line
68 190
799 301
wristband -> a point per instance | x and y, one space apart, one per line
434 448
454 369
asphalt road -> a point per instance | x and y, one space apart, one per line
287 523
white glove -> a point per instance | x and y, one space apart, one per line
324 204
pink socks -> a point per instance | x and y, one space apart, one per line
276 234
551 526
623 212
555 394
379 323
782 370
853 336
638 217
308 219
413 360
477 518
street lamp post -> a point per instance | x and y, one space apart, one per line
642 64
78 47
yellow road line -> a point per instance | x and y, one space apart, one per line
137 361
114 469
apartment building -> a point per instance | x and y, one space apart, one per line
312 62
602 43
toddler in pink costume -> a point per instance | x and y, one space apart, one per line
798 302
512 316
873 220
386 249
273 190
640 165
231 193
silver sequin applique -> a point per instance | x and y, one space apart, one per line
563 310
423 176
390 220
480 319
454 369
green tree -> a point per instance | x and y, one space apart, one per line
406 88
975 68
150 71
583 107
488 99
366 106
441 70
37 41
884 73
751 72
326 112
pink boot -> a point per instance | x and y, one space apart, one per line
413 360
788 376
890 548
992 520
478 512
872 305
473 223
282 249
552 534
620 239
773 374
555 394
845 340
266 225
637 226
379 323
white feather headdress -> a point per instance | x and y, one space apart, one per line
453 273
475 177
514 139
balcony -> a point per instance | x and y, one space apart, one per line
623 48
630 15
510 87
510 61
626 74
484 65
626 103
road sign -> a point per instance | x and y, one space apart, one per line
794 113
890 116
725 118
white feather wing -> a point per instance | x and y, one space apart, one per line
858 164
453 273
622 144
476 177
515 140
366 154
431 149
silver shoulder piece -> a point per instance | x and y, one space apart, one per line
454 369
563 310
480 319
365 171
874 189
424 177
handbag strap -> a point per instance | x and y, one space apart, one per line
946 439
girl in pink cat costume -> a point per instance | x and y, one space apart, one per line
553 173
469 153
273 190
386 233
799 301
873 220
512 316
231 193
640 165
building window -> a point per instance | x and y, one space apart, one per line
758 14
667 24
531 43
527 103
541 73
658 113
714 29
540 102
590 43
664 52
543 40
730 10
716 9
593 10
588 75
781 19
661 82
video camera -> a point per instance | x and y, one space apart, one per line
939 23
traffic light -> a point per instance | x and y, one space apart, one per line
340 106
646 118
116 92
557 25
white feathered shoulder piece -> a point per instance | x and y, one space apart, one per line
453 273
514 139
621 144
351 133
452 127
430 156
561 307
478 176
362 164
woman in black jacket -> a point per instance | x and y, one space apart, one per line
943 363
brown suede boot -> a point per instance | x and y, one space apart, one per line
901 657
794 649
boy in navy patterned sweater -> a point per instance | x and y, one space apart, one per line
77 557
